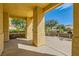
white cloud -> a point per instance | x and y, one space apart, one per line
64 6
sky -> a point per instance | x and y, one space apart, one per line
63 14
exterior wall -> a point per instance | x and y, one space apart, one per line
29 28
1 29
75 41
6 26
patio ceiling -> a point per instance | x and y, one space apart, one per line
23 9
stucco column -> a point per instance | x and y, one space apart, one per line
1 30
26 28
29 28
38 27
6 26
75 40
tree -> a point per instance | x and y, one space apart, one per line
61 28
18 23
51 23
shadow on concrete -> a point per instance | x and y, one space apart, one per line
11 49
25 42
22 52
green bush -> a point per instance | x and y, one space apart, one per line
13 31
16 31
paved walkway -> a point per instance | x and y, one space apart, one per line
23 47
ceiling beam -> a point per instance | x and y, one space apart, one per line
51 6
17 16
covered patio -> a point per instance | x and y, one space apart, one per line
35 29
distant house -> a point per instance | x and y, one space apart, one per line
69 27
54 28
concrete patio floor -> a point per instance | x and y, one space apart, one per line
23 47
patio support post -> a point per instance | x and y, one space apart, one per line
1 29
26 28
29 28
38 27
75 41
6 26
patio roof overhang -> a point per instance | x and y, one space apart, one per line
26 9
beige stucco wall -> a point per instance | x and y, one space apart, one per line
1 29
6 26
38 27
75 41
29 28
26 28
